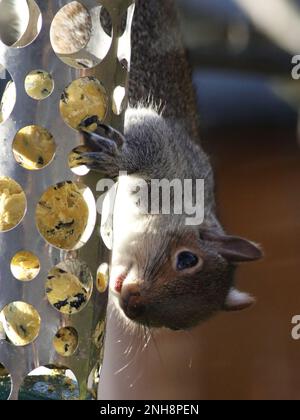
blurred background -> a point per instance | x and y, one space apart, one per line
241 53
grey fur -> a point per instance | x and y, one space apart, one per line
161 135
160 72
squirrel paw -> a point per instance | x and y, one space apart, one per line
101 150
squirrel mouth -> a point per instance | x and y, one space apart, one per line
118 283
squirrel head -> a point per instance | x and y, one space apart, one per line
177 280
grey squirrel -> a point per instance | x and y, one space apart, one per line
164 273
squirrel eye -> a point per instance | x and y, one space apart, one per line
186 260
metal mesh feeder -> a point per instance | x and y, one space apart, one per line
53 263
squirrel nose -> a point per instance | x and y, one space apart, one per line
131 301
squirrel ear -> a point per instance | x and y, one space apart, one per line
238 301
234 248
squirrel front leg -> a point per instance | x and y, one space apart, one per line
102 151
143 150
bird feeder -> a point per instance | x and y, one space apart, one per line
53 262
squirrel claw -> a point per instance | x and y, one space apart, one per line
102 162
101 150
104 135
